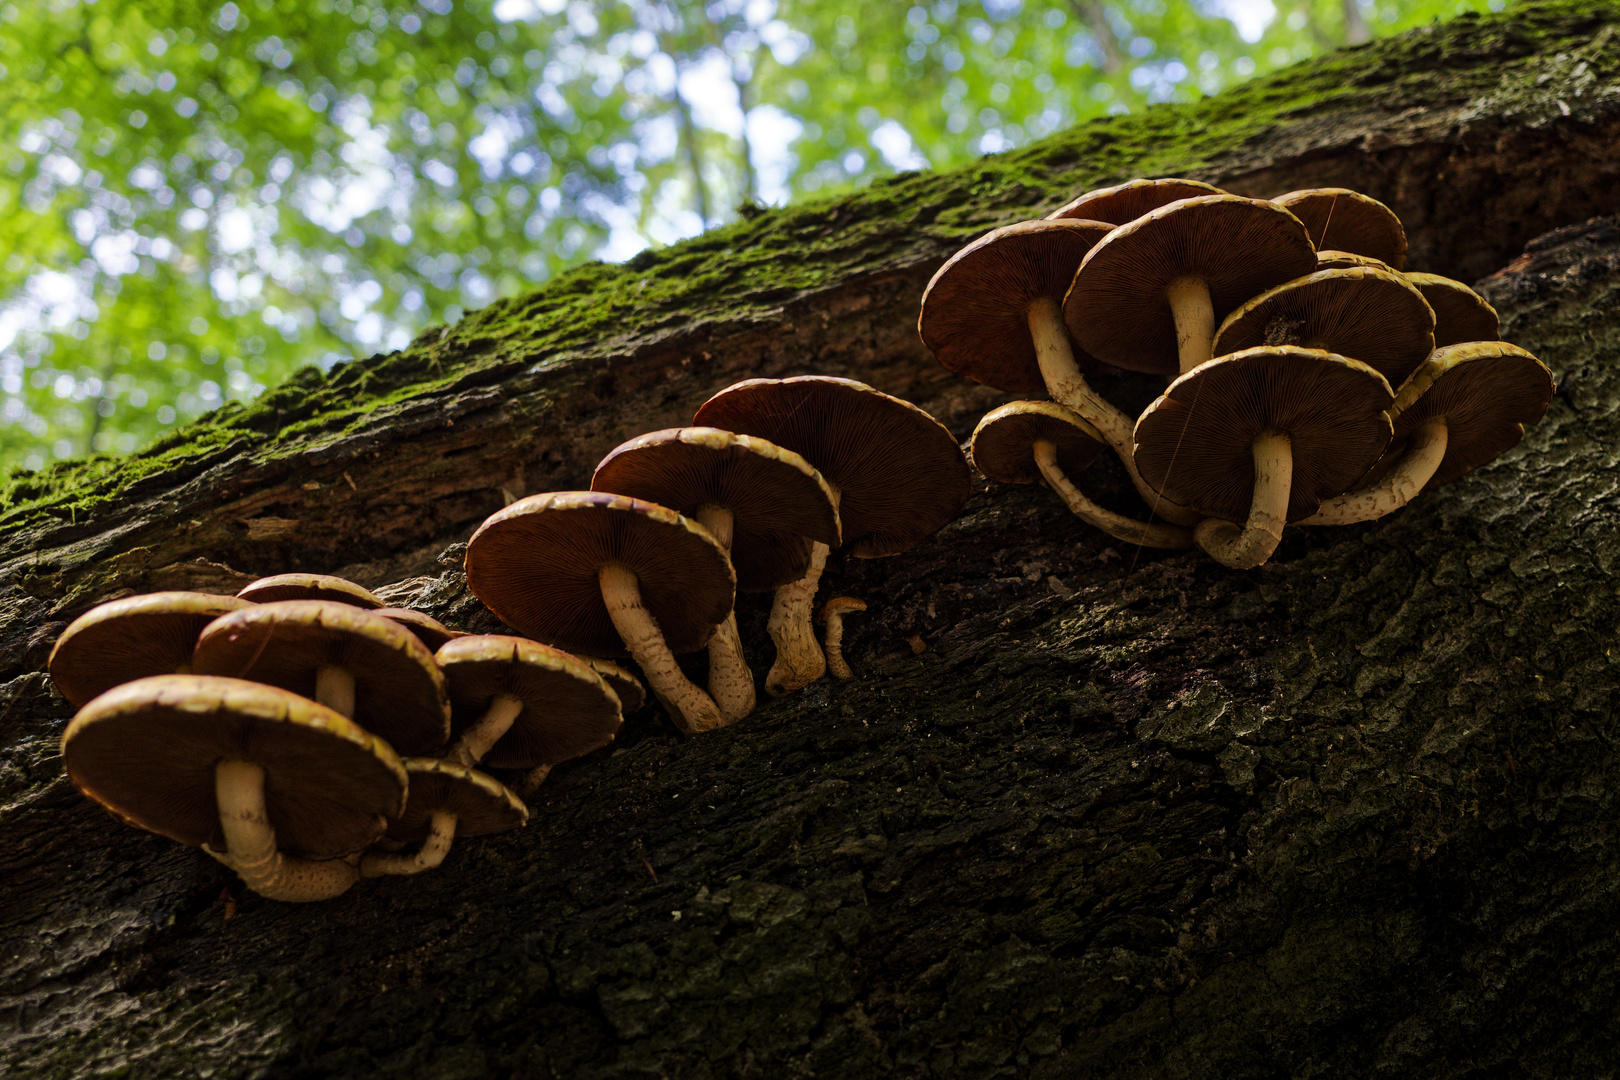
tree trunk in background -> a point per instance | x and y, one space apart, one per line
1129 814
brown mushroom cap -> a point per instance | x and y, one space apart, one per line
481 804
900 475
1118 308
147 750
1374 316
776 498
1194 442
123 640
974 316
1460 313
535 565
399 692
428 630
1330 259
1003 445
309 587
568 709
1346 220
625 686
1130 200
1488 392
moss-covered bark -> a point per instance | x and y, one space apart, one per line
1128 814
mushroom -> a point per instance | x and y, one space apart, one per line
515 703
1149 296
1346 220
309 587
1465 406
1025 441
1331 259
763 503
446 800
1263 436
897 475
123 640
602 573
1130 200
994 313
280 789
429 631
1375 316
364 666
625 686
1460 313
832 613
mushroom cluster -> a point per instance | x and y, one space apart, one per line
773 476
1312 380
267 728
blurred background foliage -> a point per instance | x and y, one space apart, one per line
198 197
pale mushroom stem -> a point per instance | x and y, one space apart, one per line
530 782
1118 526
1068 387
731 682
1243 547
441 832
1195 321
799 660
833 643
477 739
334 688
1425 448
693 710
250 843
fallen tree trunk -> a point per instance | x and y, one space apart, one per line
1127 813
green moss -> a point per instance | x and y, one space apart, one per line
749 268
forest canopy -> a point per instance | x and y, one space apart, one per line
197 198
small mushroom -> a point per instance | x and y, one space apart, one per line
601 573
1345 220
1460 313
516 703
281 789
1375 316
898 475
1468 404
310 587
128 639
364 666
625 686
832 613
1329 259
428 630
446 800
1149 296
1128 201
1263 436
1025 441
763 503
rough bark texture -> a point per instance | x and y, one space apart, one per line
1128 814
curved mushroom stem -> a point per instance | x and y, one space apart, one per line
832 613
1118 526
799 661
441 832
1195 321
250 843
693 710
476 740
1425 448
334 688
1243 547
1068 387
731 682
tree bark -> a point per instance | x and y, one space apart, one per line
1127 814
